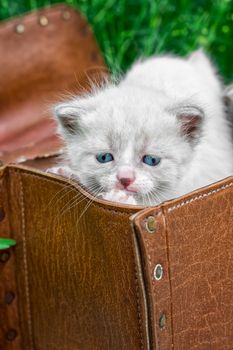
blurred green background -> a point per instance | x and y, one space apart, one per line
127 29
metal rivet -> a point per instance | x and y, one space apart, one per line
158 272
43 21
162 320
151 224
20 28
66 15
11 334
2 214
4 256
9 297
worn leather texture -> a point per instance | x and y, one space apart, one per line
82 271
191 306
73 268
44 56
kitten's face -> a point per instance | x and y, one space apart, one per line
129 144
141 135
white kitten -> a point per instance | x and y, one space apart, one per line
161 132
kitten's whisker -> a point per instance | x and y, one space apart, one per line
151 199
156 196
161 194
88 205
69 204
76 200
67 188
163 189
148 197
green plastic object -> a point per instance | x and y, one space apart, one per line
6 243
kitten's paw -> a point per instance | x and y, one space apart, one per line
119 196
64 171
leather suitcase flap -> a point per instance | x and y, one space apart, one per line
73 269
44 55
185 249
83 279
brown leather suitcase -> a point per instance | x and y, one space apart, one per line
44 56
88 274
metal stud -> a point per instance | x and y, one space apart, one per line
11 334
4 256
43 21
158 272
20 28
66 15
162 321
151 224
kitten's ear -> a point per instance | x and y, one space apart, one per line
68 118
190 122
202 63
73 115
199 57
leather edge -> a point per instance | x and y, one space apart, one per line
141 284
124 208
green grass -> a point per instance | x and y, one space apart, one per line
127 29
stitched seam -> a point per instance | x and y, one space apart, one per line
118 212
25 262
131 212
153 287
169 278
138 307
204 195
141 282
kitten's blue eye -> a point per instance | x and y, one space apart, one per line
151 160
104 157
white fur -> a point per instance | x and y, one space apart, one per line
140 116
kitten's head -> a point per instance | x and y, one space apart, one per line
135 139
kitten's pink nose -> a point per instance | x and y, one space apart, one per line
125 181
126 177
